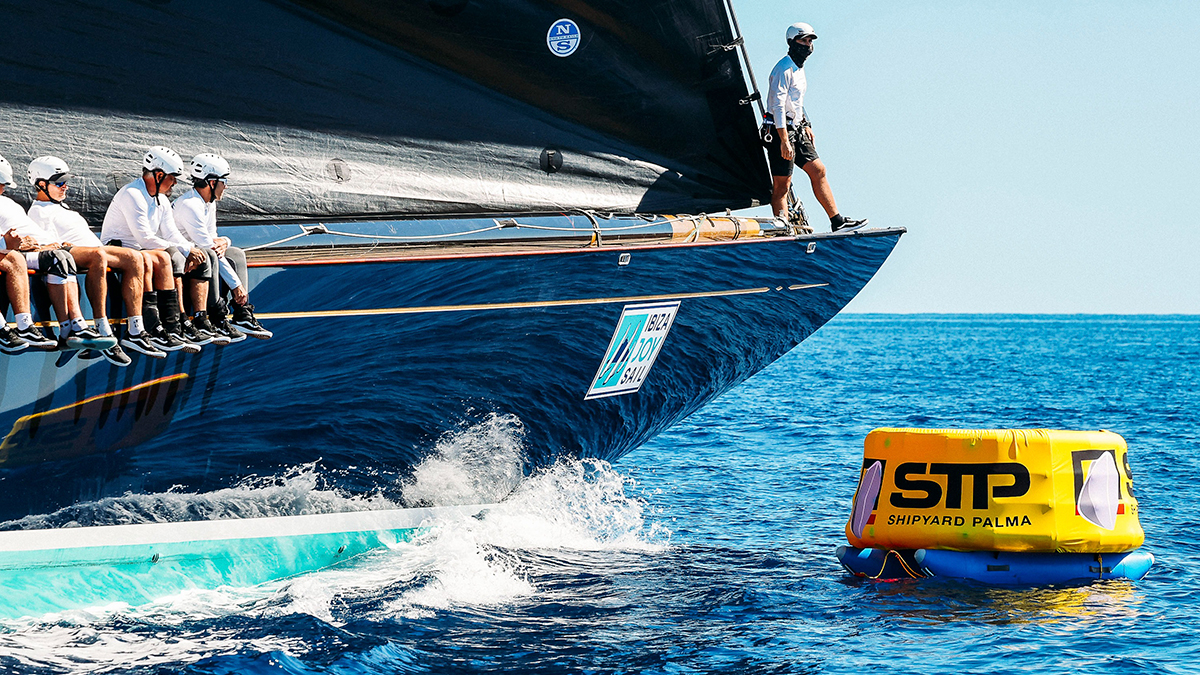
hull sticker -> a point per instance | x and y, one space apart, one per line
635 344
563 37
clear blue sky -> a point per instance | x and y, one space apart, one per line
1044 156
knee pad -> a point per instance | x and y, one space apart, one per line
57 265
178 261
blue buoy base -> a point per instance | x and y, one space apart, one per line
994 567
877 563
1033 569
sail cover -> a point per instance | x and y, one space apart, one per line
344 109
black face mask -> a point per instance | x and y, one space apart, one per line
799 52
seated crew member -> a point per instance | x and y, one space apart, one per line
16 282
196 216
136 218
53 262
48 175
793 135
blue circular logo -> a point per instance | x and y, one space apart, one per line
563 38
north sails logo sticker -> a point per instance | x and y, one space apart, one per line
563 37
634 346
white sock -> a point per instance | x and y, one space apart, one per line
102 326
134 323
24 321
78 324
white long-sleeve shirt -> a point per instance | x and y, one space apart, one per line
785 93
141 221
198 221
66 225
13 217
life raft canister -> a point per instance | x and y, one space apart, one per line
1033 490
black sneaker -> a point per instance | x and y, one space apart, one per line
189 333
205 327
87 338
141 344
189 347
10 342
116 356
164 341
227 329
243 318
848 224
37 338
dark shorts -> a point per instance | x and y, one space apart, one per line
805 153
179 256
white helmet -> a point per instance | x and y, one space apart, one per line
47 168
163 159
5 172
800 29
206 166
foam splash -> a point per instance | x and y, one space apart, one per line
479 464
491 560
300 491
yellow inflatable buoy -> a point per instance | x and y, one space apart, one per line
1032 490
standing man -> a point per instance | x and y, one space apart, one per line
793 136
49 177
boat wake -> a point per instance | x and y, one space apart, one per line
555 517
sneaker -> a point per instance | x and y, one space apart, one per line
116 356
189 347
37 338
227 329
189 333
243 318
164 341
848 224
141 344
88 339
10 342
203 325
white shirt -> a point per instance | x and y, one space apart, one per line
785 92
198 221
196 218
66 225
141 221
13 217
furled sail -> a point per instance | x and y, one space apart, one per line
343 109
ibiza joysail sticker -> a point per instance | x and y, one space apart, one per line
634 346
563 37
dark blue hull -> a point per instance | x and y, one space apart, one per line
374 359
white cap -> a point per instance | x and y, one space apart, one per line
800 29
163 159
5 172
207 165
47 168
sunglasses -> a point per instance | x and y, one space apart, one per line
60 184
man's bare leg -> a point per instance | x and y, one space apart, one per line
133 269
820 186
96 261
198 294
780 187
16 281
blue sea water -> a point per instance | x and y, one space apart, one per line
711 548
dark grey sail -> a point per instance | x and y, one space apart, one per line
369 109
